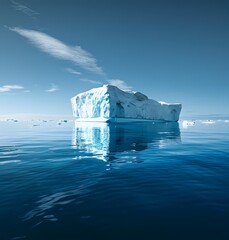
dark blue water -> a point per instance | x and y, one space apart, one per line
139 181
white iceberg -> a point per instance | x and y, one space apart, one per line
110 104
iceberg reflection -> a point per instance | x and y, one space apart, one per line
106 140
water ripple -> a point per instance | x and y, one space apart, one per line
114 179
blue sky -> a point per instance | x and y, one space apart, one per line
174 51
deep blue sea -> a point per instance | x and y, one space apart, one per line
159 181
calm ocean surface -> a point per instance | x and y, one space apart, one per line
139 181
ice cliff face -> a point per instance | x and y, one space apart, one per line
109 103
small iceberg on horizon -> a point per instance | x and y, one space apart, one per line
110 104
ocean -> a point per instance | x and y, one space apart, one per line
85 181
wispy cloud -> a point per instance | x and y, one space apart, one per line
120 84
60 50
8 88
26 10
90 81
53 88
70 70
27 91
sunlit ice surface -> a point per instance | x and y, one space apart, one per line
69 180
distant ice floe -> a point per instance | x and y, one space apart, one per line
186 124
11 120
207 122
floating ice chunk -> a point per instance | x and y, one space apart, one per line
110 104
208 122
186 124
12 120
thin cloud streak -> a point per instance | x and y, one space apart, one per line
70 70
120 84
90 81
60 50
8 88
53 88
22 8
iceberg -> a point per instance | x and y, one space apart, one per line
110 104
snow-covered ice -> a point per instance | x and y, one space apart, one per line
108 103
